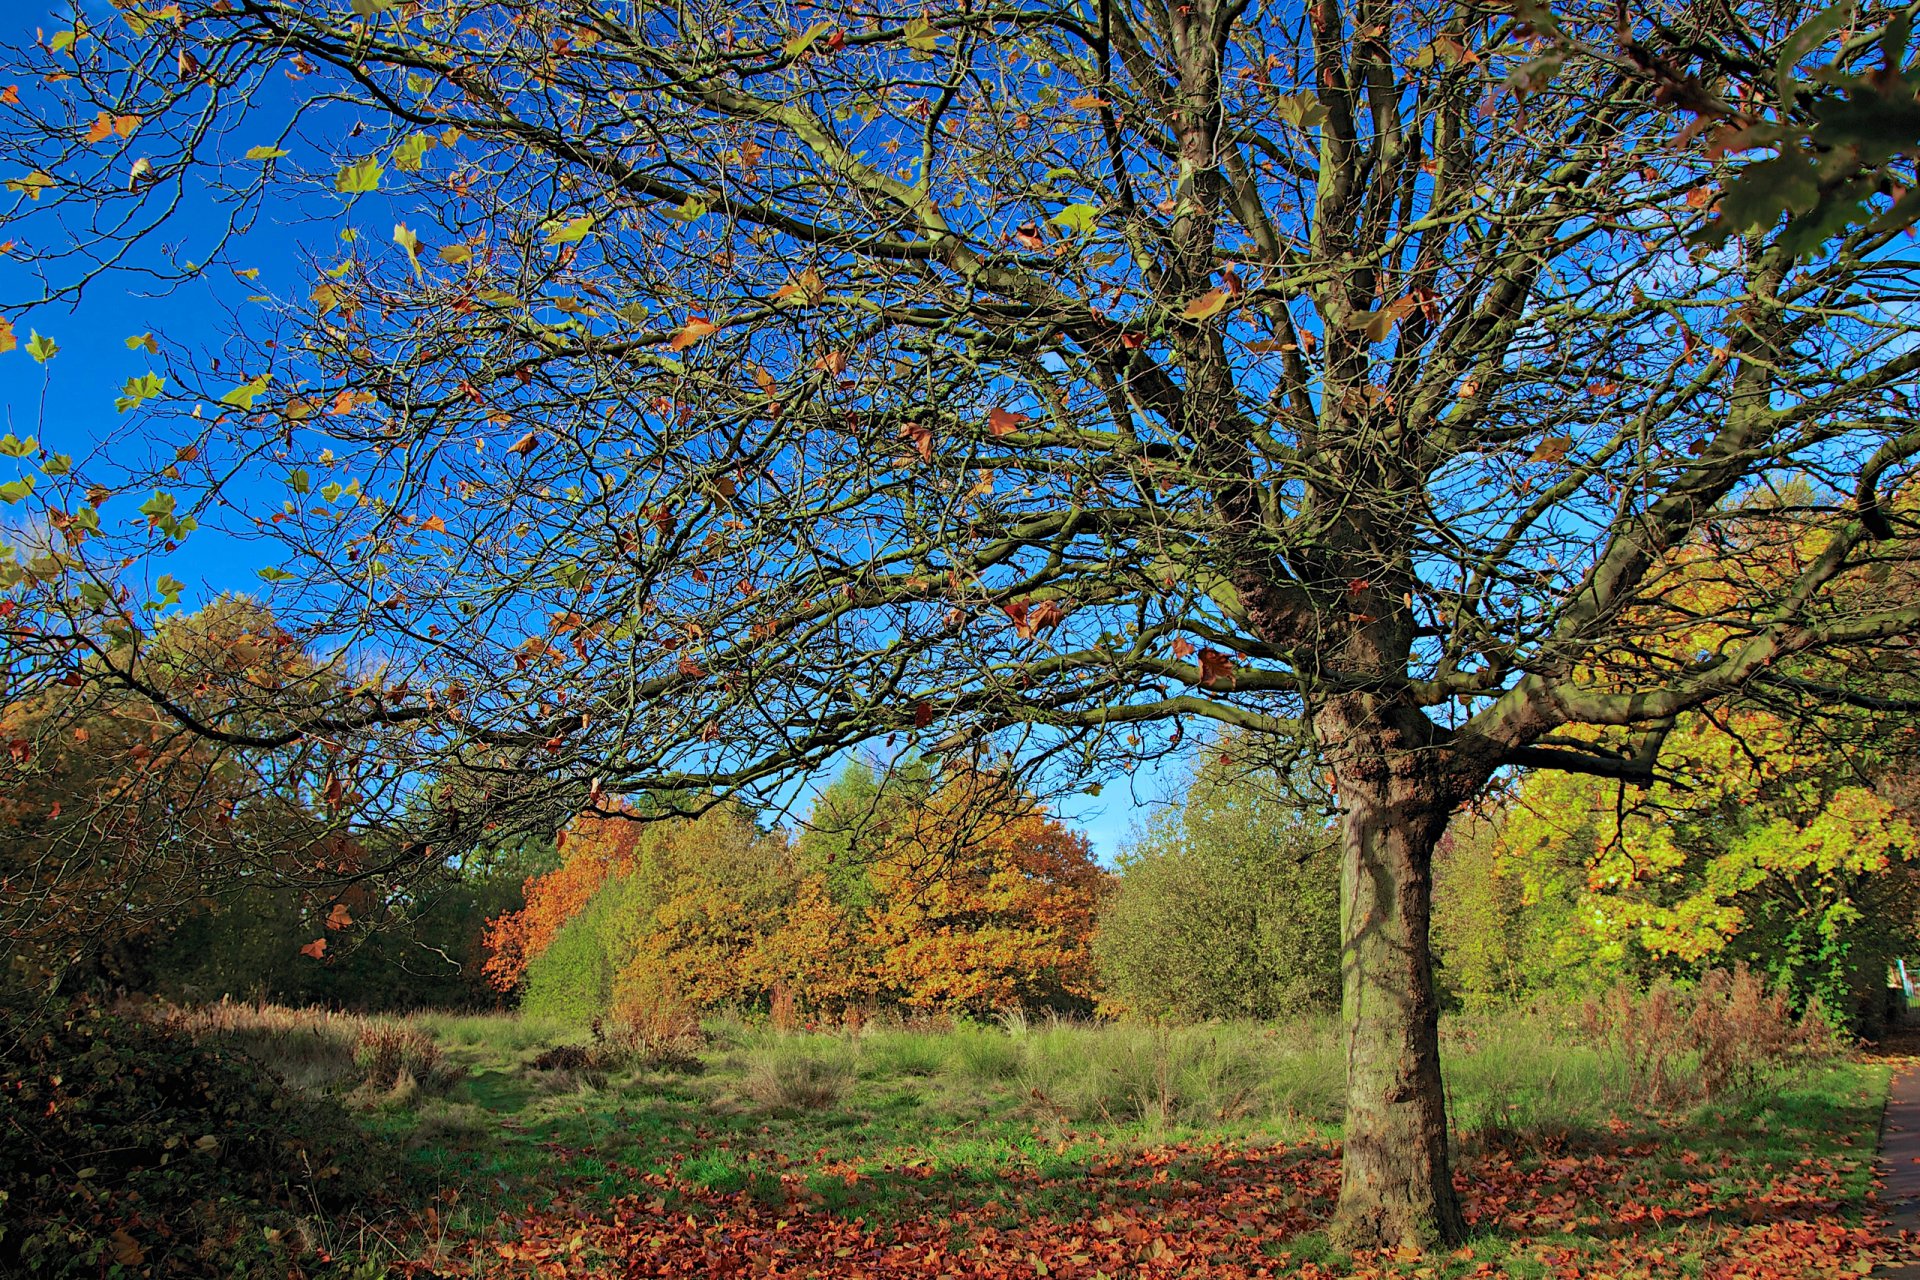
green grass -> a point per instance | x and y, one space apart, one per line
894 1125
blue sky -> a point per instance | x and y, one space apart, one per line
67 402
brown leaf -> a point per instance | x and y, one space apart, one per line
922 715
339 917
1182 647
126 1250
1216 669
921 438
1551 449
525 444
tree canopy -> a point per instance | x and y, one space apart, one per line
692 393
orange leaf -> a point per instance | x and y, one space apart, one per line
339 917
922 438
317 949
525 444
434 524
1003 423
696 329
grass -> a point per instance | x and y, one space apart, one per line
1013 1127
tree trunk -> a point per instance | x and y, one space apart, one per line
1396 1187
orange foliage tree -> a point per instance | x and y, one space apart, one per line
596 849
967 897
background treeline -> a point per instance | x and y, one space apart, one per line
150 865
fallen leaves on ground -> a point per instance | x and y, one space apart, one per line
1220 1211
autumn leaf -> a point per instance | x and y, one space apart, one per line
1001 422
339 917
7 340
525 445
1551 449
807 288
1182 647
1216 669
697 329
921 439
434 524
1206 306
317 949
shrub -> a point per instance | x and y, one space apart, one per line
1227 909
132 1144
390 1053
1731 1034
573 978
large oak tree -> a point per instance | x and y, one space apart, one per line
709 388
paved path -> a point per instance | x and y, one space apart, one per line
1900 1158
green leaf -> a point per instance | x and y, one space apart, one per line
41 349
16 490
454 254
802 42
371 8
299 481
692 211
922 36
411 155
94 594
58 465
14 447
243 396
1807 37
169 588
265 153
275 575
138 391
573 231
358 179
1077 219
158 507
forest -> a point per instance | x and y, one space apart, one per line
1063 637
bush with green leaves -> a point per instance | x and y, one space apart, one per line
573 979
1227 908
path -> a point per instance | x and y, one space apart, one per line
1900 1156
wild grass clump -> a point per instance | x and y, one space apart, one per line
800 1073
1731 1035
320 1051
1184 1077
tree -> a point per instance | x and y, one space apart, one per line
1227 907
1028 379
1832 98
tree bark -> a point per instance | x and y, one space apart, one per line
1396 1185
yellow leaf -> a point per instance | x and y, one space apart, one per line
406 239
32 184
454 254
7 341
1206 306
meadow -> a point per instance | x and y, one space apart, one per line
1029 1147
